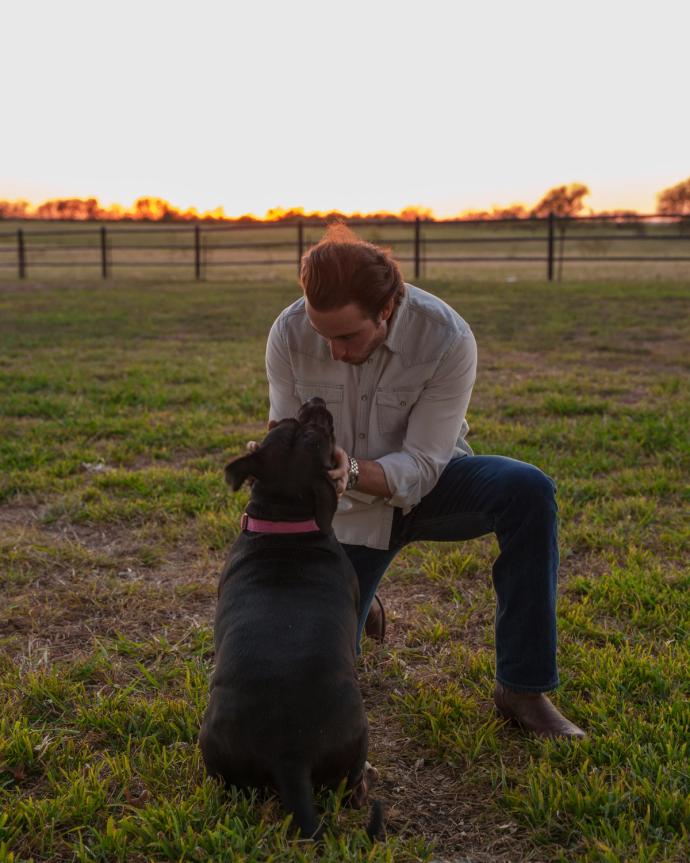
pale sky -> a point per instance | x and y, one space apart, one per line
357 105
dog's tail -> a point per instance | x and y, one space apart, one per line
375 824
297 795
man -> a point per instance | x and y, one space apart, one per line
396 366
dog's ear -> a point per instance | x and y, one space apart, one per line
241 468
325 503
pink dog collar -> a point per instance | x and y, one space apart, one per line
258 525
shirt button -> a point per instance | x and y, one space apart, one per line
364 398
370 361
361 435
402 404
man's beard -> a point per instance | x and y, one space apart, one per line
379 340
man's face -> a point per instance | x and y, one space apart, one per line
352 336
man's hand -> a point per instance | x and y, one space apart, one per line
340 472
253 445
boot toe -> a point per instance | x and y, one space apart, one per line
534 712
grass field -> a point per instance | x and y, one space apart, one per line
166 251
120 403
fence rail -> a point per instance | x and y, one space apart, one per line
23 249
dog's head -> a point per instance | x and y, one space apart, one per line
292 463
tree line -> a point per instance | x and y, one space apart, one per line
566 200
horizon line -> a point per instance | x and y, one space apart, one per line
561 200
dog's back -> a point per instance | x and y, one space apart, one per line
286 709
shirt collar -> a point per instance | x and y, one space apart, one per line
396 332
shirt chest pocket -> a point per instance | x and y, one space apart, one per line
331 394
393 409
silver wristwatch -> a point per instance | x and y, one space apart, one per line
352 473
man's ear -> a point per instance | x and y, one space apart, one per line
387 310
241 468
325 504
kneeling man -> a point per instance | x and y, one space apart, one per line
396 366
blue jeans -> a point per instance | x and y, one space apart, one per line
476 495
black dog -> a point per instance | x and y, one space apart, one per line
286 709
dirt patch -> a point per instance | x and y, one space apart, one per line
63 603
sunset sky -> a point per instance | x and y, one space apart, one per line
359 105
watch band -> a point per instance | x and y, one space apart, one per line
352 474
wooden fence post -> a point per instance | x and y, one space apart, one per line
417 248
104 253
197 253
300 244
551 244
21 253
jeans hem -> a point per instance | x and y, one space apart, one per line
519 687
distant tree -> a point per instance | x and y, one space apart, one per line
513 211
114 213
14 209
150 209
472 216
416 211
92 208
562 201
79 209
280 214
49 210
675 199
216 215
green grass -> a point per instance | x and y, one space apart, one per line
120 405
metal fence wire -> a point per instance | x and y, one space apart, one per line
202 247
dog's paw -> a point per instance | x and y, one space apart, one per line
360 791
371 774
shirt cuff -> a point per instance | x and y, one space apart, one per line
402 477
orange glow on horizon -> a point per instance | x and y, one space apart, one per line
158 209
155 209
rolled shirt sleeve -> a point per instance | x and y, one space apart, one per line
435 424
284 402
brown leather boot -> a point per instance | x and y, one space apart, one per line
375 625
534 712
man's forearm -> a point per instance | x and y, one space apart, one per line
372 479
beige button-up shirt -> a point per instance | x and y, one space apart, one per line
404 407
